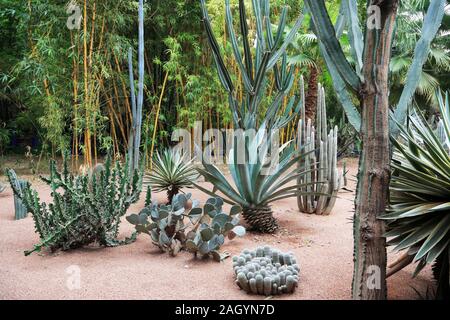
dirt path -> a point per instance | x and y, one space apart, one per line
323 246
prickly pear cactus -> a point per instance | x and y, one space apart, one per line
214 225
266 271
208 226
164 223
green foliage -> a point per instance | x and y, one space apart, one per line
345 75
437 62
171 172
419 213
85 208
4 139
255 187
266 271
185 225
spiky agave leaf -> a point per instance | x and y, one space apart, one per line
259 179
419 212
171 172
253 187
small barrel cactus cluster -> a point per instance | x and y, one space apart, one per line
185 225
266 271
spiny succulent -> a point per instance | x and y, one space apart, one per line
266 271
21 210
251 186
185 225
171 172
86 208
322 182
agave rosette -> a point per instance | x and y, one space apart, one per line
171 172
419 214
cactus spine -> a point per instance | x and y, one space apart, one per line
323 178
21 211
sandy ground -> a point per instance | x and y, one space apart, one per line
323 246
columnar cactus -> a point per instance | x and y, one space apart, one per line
321 184
266 271
21 211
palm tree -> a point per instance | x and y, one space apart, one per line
409 25
305 53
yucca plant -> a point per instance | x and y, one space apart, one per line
256 183
171 172
419 213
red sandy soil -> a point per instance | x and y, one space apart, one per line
323 246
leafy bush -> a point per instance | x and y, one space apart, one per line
168 225
4 139
85 208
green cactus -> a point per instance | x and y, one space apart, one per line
21 211
208 226
266 271
320 186
85 208
164 223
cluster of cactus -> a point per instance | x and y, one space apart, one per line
320 185
86 208
168 225
165 223
266 271
20 209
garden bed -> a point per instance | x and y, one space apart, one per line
323 246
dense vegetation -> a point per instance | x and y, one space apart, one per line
71 88
62 88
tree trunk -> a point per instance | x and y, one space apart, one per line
311 95
369 276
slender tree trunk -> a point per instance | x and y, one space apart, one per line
311 95
369 277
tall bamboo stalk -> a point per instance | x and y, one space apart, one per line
157 116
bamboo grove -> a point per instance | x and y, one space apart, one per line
70 88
